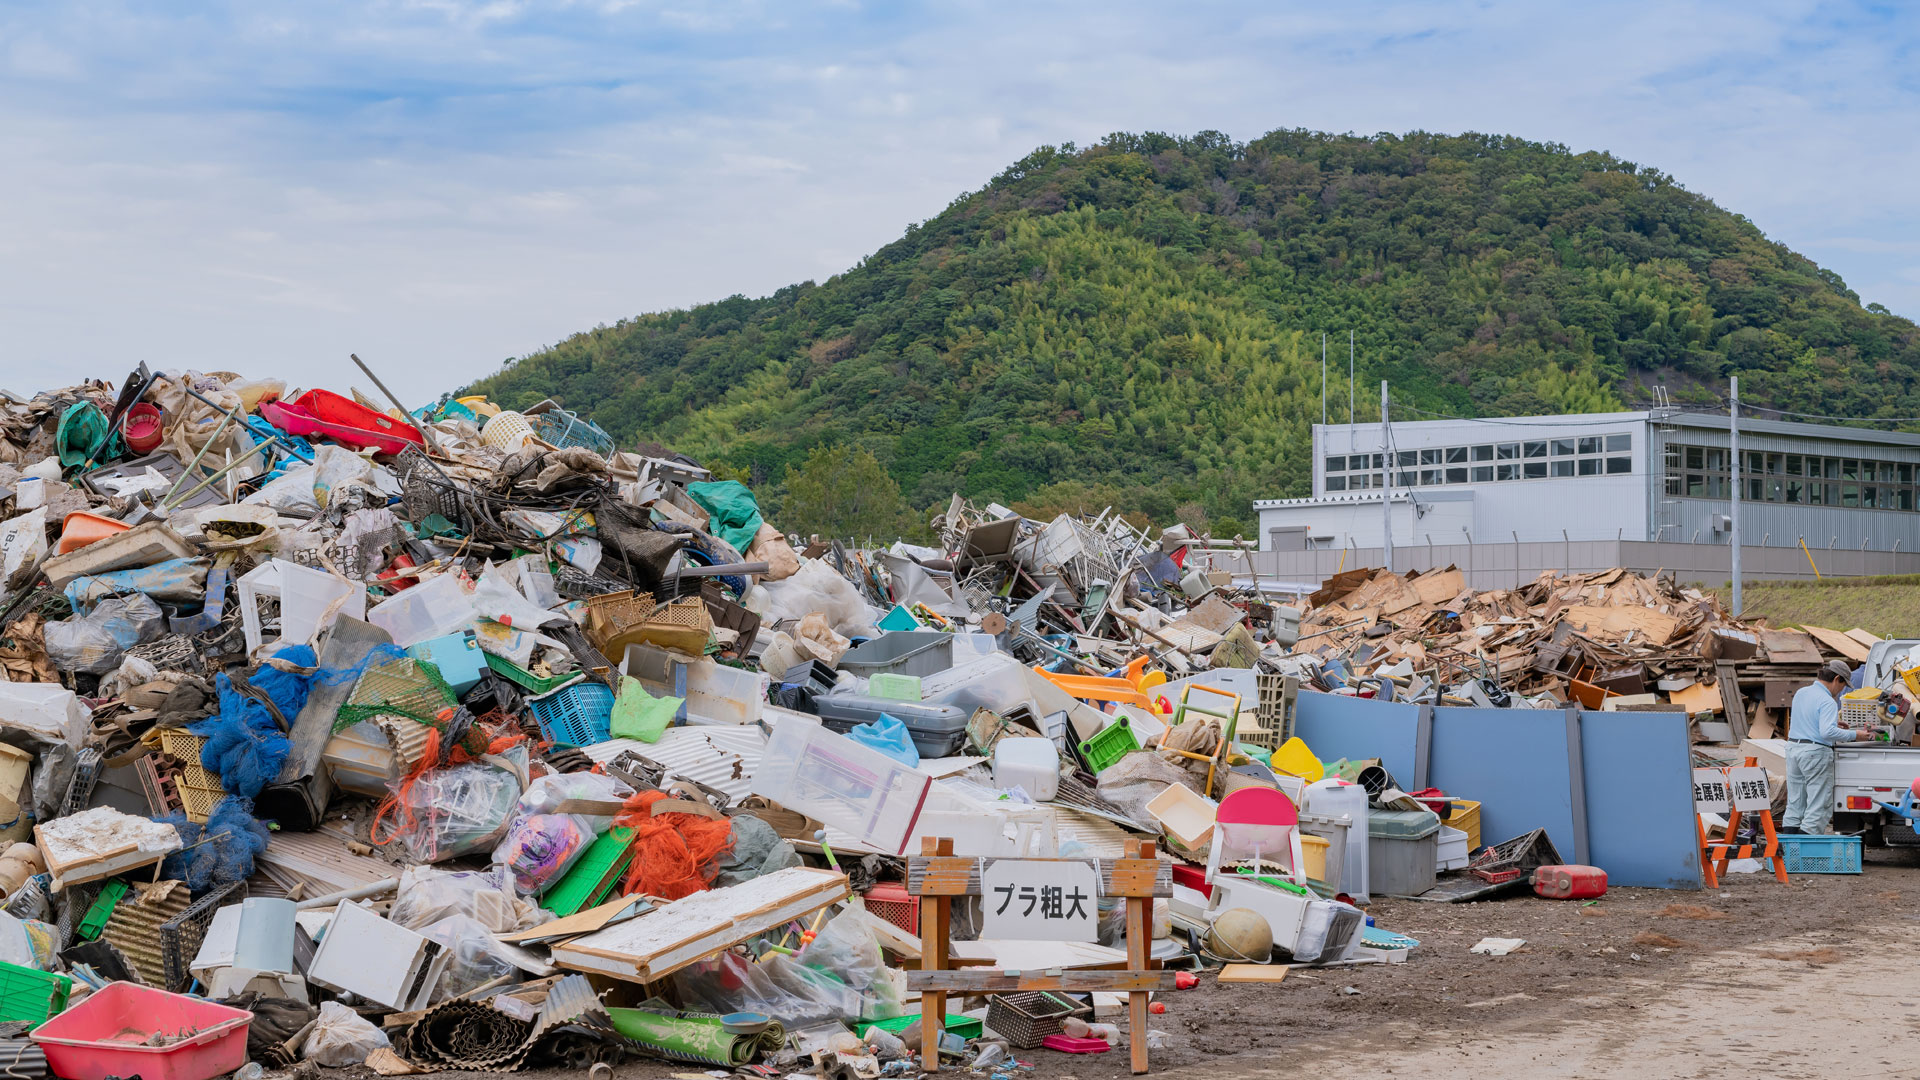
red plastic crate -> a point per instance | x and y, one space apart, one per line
891 901
104 1035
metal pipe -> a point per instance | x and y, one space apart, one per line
357 893
425 432
195 463
1733 567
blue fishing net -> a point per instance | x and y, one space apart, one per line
245 746
220 852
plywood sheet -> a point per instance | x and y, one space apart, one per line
1839 642
1647 626
1698 698
1253 973
1864 638
1439 588
1789 647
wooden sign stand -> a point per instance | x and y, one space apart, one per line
937 876
1715 854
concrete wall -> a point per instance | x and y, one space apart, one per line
1500 566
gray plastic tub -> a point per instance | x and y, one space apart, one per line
905 652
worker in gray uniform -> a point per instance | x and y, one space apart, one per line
1813 728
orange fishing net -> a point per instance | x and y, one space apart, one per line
674 854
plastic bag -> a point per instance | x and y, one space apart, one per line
778 987
498 597
847 949
176 580
291 491
26 943
889 736
452 812
815 640
639 715
475 960
334 469
23 540
545 795
426 896
539 849
98 642
817 587
340 1037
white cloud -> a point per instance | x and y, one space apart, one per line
440 185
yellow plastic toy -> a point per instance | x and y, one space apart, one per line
1295 759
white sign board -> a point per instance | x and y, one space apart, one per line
1749 788
1710 794
1039 900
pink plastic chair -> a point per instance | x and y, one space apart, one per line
1256 821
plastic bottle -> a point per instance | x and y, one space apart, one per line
252 1070
1080 1029
990 1053
886 1045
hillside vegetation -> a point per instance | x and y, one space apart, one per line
1138 322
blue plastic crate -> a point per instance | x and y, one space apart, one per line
578 715
1808 854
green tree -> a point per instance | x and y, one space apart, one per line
842 491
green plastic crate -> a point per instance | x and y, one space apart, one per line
526 680
967 1027
102 909
595 876
33 996
1110 745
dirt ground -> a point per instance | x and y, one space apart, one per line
1818 978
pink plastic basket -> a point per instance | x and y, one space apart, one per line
101 1036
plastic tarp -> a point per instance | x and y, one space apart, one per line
735 514
176 580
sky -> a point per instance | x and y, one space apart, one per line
441 185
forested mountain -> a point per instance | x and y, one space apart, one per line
1139 322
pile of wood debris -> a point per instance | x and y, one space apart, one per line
1611 639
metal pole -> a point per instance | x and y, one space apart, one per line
1386 489
1323 378
1349 389
1733 413
426 433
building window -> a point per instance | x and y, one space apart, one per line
1563 448
1619 444
1535 470
1483 453
1483 474
1563 467
1534 449
1336 483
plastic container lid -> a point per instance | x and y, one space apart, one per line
1403 824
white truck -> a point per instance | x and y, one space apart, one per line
1867 774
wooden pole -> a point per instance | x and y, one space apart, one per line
935 913
1139 942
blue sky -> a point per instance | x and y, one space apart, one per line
441 184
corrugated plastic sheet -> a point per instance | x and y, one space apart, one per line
321 861
722 757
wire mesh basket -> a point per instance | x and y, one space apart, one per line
425 490
1025 1020
180 936
579 715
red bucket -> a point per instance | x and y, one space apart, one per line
142 428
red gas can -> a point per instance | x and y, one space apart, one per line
1569 882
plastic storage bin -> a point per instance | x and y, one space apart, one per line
1807 854
1313 856
1109 745
1451 851
915 652
891 901
938 730
101 1036
30 995
1031 764
1403 850
1337 798
578 715
1464 814
457 657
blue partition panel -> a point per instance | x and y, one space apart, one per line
1524 767
1335 727
1640 798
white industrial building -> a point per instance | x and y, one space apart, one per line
1660 476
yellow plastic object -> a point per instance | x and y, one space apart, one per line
1158 678
1313 855
479 404
1465 815
1295 759
1136 669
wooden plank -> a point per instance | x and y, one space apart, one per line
936 876
1864 638
1252 973
1839 642
1698 698
1647 626
1734 705
1000 981
580 922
